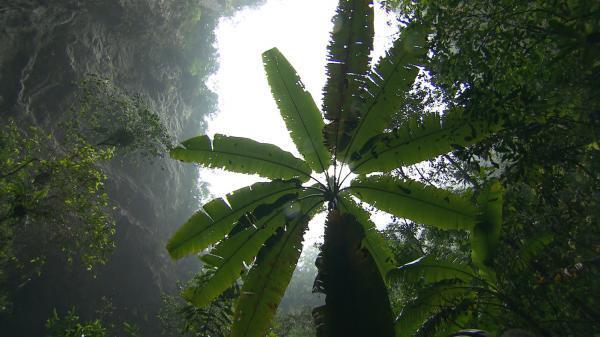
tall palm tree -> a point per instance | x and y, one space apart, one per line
262 225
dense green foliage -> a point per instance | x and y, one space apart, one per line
53 202
71 325
108 116
496 234
163 50
184 319
534 66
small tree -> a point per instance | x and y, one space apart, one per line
106 115
262 225
53 202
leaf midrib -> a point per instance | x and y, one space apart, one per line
440 266
306 130
256 158
344 93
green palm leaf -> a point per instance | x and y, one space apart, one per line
349 50
413 200
433 270
230 256
239 249
266 282
356 302
373 241
446 320
298 109
217 217
383 91
416 141
429 300
242 155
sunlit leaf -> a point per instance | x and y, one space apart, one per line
382 92
415 201
266 282
217 217
348 60
242 155
298 109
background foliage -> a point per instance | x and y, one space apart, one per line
532 64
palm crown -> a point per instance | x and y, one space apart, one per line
262 225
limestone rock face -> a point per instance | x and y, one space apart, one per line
162 49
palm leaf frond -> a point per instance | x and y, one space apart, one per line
415 201
382 93
418 140
349 49
486 233
298 109
429 300
242 155
266 282
217 217
230 256
444 321
533 246
432 270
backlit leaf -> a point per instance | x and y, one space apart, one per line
418 140
348 60
266 282
415 201
242 155
382 93
298 109
217 217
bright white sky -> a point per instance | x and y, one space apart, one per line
300 29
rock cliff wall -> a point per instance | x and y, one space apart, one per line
159 48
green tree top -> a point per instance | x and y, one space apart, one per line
262 225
